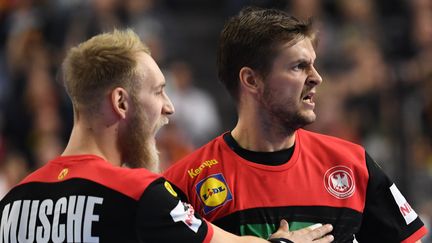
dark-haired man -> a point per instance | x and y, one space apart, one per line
268 167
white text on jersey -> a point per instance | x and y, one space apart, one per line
19 220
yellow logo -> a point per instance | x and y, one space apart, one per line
63 174
170 189
208 163
213 192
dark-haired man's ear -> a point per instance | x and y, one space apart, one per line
120 101
249 79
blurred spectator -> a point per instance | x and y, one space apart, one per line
173 144
24 48
88 18
13 169
416 74
196 113
144 18
306 9
425 213
375 59
31 109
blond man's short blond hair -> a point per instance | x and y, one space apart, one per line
99 64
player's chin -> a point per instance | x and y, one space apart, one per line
308 116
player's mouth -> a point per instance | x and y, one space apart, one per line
308 99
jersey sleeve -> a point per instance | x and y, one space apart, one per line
163 217
178 179
387 215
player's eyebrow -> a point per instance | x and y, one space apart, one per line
304 61
160 86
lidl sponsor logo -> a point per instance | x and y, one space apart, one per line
405 209
213 192
170 189
196 171
339 182
185 212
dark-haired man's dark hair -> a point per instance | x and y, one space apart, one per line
253 38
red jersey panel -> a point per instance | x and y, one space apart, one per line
327 180
95 169
318 176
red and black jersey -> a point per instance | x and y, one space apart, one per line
326 180
86 199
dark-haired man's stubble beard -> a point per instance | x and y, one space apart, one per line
138 144
283 115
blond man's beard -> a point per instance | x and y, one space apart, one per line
150 157
138 146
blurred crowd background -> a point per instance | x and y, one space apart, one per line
375 58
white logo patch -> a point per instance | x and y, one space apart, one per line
185 212
339 182
405 209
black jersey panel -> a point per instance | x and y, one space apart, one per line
383 216
174 221
92 212
344 220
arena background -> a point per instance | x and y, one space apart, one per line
375 58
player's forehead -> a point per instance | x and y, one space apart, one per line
300 50
149 71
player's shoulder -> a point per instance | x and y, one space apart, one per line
130 181
326 140
91 168
137 176
196 157
333 151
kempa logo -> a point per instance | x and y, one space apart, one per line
208 163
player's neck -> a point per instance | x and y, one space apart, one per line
250 135
85 139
